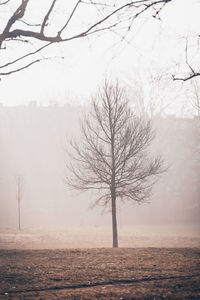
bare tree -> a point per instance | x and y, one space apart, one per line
20 183
112 157
34 28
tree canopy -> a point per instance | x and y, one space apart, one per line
112 156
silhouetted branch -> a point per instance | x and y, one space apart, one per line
186 78
70 17
93 162
24 56
5 2
112 156
27 65
106 19
47 16
22 68
192 74
28 24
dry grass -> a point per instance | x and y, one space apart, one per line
154 236
140 273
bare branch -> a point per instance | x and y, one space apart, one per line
70 17
192 73
47 16
112 156
186 57
25 56
21 68
109 16
113 127
18 14
28 24
186 78
5 2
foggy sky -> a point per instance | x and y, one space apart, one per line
153 45
33 138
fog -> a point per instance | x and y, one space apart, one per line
33 142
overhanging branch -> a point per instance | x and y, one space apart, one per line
186 78
105 22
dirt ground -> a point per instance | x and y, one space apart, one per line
103 273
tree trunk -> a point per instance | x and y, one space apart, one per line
114 220
19 204
19 216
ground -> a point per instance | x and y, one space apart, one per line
137 273
95 237
152 263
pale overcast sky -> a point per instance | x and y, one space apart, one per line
154 45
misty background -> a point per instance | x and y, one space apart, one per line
41 107
33 142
